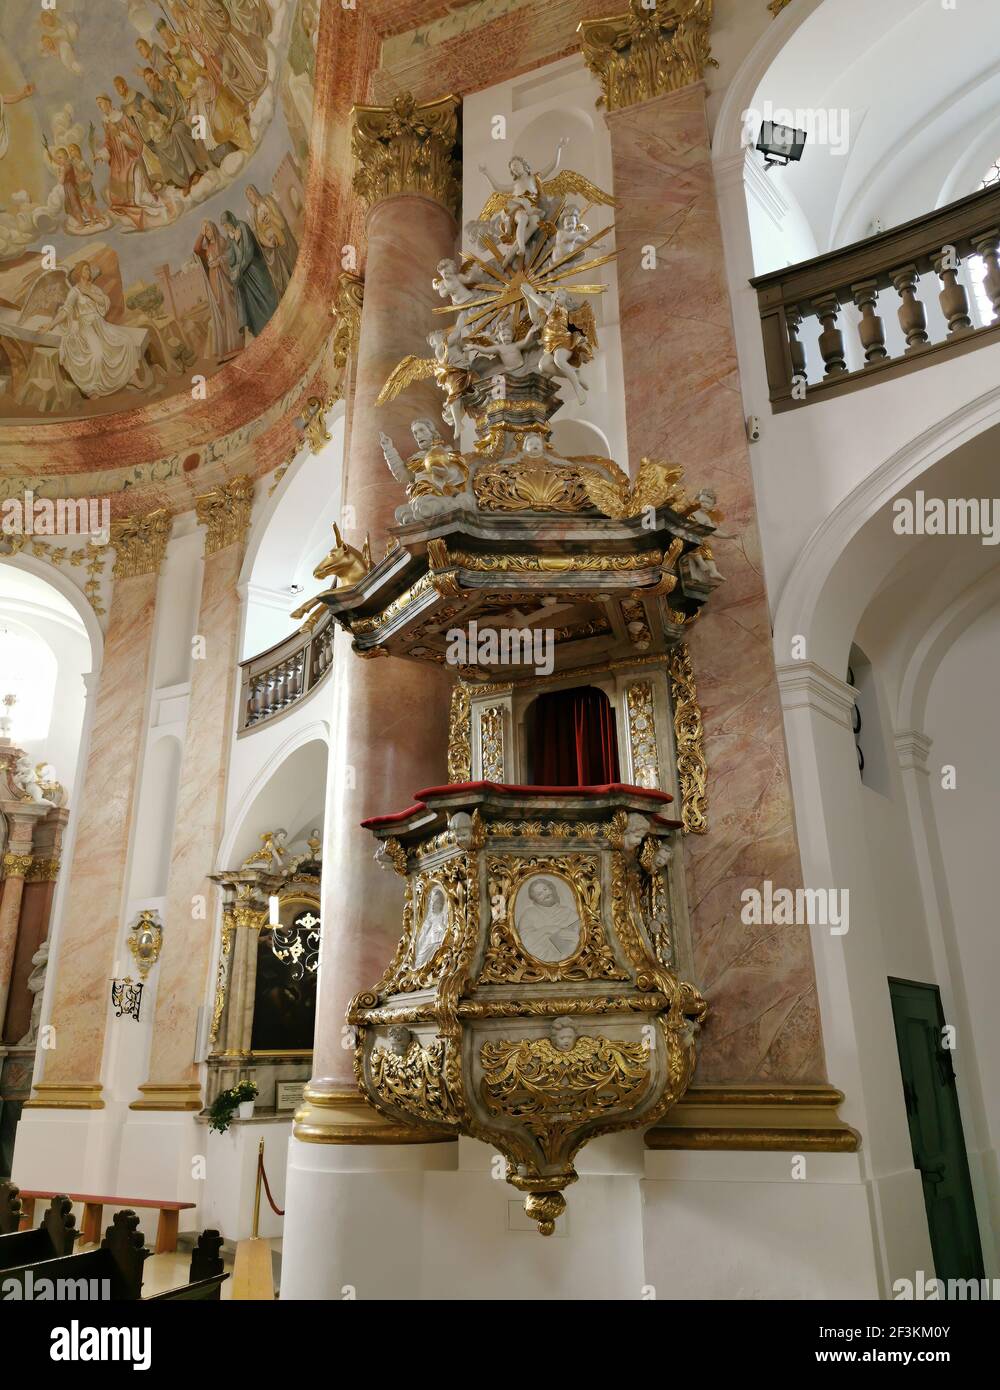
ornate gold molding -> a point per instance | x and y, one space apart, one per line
140 543
460 735
347 308
648 51
491 751
692 770
761 1118
642 734
776 6
407 148
225 512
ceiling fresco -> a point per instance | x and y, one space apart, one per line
153 157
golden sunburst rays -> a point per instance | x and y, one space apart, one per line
504 299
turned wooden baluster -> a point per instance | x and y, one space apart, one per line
831 340
988 246
797 349
871 327
953 298
912 314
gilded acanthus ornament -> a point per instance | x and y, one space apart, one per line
140 543
648 50
407 148
225 513
692 769
347 308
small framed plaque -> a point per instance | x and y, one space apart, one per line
288 1095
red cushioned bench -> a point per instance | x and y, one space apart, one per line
93 1215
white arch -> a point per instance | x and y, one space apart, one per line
727 139
315 731
800 605
934 645
63 585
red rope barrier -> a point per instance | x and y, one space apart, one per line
267 1186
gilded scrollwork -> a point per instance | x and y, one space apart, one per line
491 744
553 1091
415 1080
507 959
642 734
435 912
460 735
692 769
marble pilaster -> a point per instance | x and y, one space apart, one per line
180 976
683 404
94 900
36 912
16 865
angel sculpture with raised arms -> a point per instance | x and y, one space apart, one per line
450 367
524 199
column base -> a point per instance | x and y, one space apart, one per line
66 1095
181 1095
770 1119
744 1226
331 1115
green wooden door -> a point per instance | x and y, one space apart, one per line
936 1129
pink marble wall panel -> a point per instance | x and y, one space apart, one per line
93 906
182 970
683 404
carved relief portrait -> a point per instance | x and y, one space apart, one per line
547 918
433 926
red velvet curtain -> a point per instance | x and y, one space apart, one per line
573 740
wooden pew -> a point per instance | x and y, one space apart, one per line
93 1214
49 1241
10 1207
119 1260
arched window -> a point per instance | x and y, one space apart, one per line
28 671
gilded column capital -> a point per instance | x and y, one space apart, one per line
140 542
647 52
16 865
407 148
225 512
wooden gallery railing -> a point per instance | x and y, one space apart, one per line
276 679
883 272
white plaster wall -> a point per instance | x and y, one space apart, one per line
962 720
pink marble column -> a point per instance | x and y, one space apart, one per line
180 976
683 404
390 717
94 901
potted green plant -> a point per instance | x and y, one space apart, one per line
239 1097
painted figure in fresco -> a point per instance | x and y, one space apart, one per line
182 148
56 38
11 100
209 28
256 300
198 78
99 357
274 236
252 16
129 193
213 258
